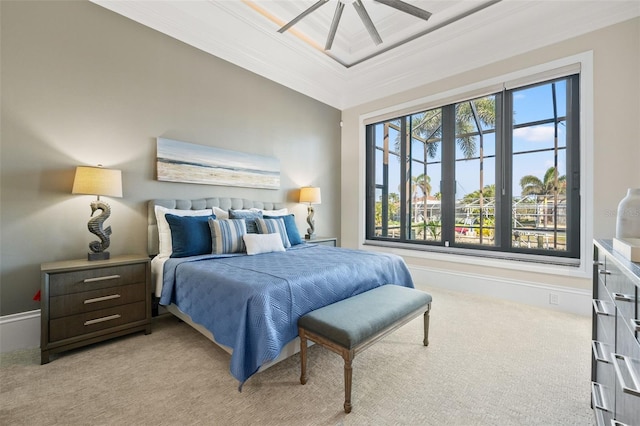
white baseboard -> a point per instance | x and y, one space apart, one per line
20 331
565 299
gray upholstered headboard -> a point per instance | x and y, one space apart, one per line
199 204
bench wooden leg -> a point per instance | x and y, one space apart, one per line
303 356
348 357
426 326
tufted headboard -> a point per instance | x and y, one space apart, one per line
199 204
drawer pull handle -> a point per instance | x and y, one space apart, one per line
103 319
623 297
598 307
604 272
635 390
102 299
635 325
105 278
598 354
599 402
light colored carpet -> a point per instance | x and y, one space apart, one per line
489 362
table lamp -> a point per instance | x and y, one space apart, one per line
310 195
98 181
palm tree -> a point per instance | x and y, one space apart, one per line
550 185
488 191
423 182
472 119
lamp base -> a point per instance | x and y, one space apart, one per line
103 255
309 237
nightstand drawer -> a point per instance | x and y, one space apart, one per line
77 325
93 279
325 241
76 303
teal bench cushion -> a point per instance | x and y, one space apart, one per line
351 321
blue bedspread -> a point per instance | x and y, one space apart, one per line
252 303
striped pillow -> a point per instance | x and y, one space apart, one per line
226 235
274 226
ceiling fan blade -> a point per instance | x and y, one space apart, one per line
406 8
334 25
302 15
366 20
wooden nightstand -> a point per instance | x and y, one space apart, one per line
85 302
327 241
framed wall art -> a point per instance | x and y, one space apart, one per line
191 163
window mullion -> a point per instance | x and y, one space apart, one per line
370 222
504 141
573 164
405 179
448 184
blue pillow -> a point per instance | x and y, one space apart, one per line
190 235
249 217
292 229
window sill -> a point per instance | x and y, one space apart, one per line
548 265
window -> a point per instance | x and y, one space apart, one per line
497 174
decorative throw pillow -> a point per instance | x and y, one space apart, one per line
292 228
226 235
190 235
262 243
249 216
274 226
221 213
164 231
280 212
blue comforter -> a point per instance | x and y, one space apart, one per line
252 303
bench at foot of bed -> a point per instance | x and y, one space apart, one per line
352 325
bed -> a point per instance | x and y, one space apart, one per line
250 304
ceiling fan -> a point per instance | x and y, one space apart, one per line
362 13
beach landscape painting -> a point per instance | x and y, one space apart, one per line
191 163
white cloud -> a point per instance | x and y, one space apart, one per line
534 134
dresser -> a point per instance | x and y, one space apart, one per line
85 302
615 361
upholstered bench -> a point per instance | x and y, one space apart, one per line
349 326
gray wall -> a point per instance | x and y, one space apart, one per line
82 86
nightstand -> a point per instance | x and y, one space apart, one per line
327 241
85 302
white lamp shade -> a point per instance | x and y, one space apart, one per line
310 194
97 181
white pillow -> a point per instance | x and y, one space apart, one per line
220 213
281 212
165 247
262 243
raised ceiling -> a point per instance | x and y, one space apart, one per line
458 36
353 42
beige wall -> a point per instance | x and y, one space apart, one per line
616 152
82 85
